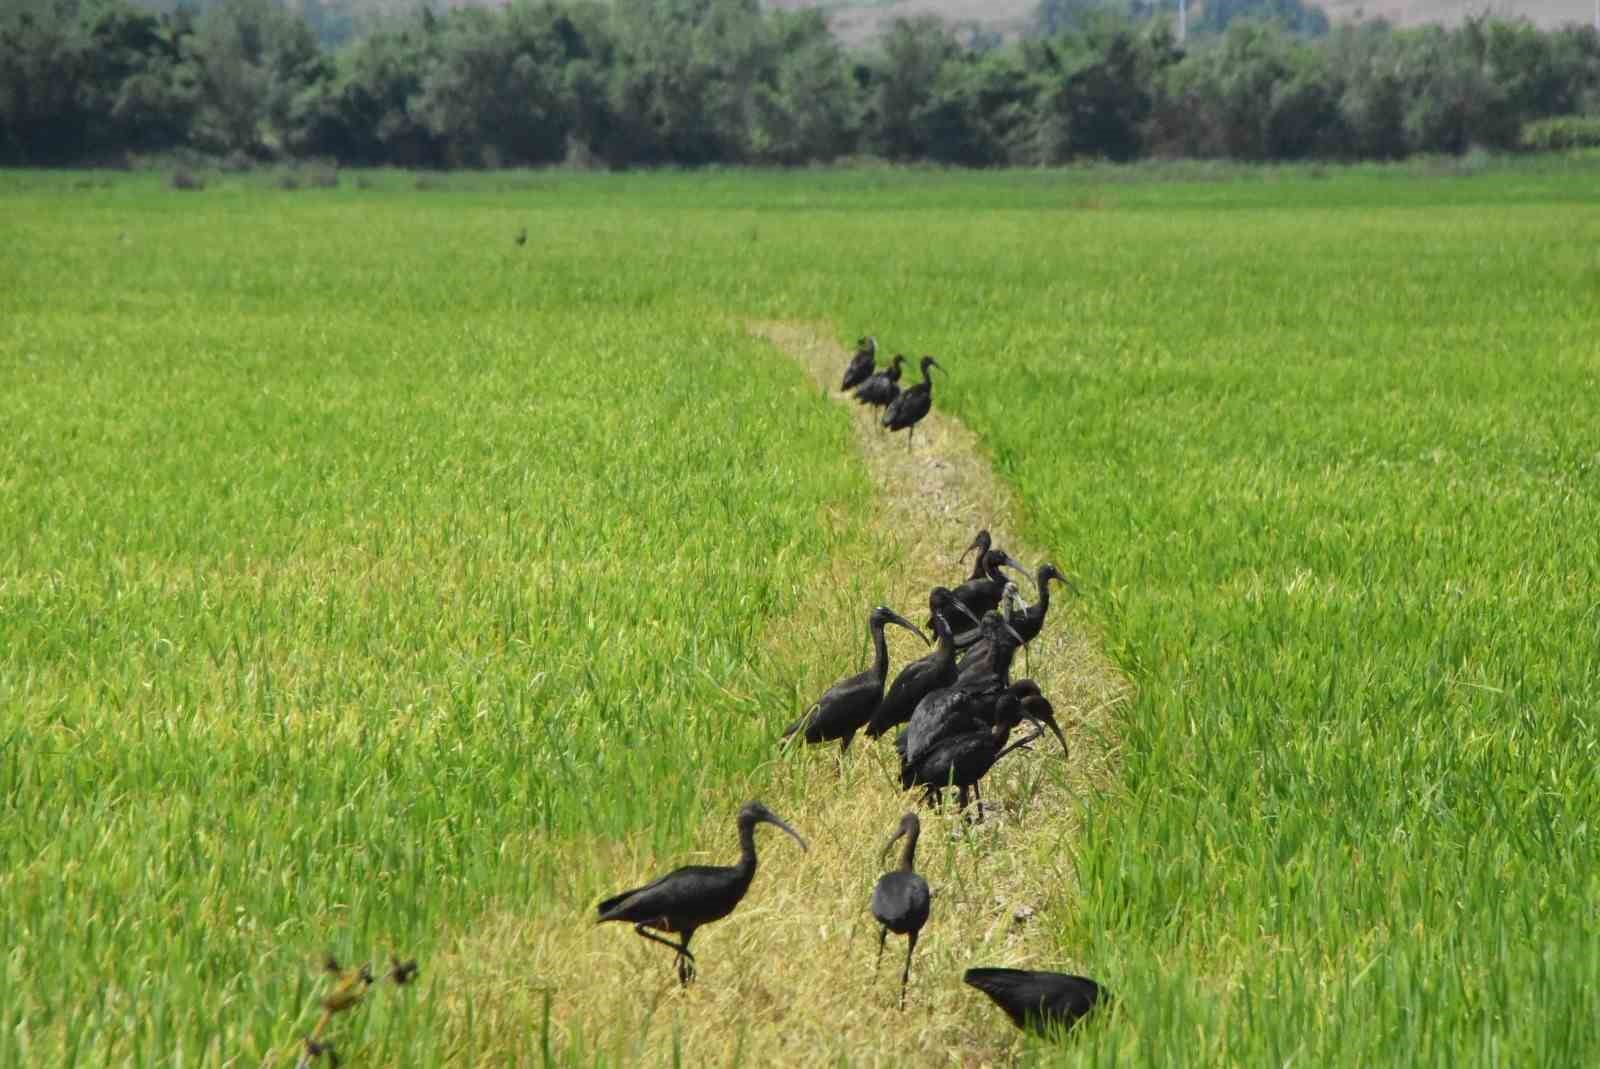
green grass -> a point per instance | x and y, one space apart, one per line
360 573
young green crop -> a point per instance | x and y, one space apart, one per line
365 578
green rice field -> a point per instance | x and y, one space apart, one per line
371 583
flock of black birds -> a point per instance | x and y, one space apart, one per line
959 706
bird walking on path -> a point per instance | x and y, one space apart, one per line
845 707
1038 1001
913 404
860 367
962 760
688 898
881 389
900 901
919 678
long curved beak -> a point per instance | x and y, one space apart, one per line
976 543
896 618
1048 720
1017 566
892 840
777 822
934 363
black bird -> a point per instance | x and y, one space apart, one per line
978 652
685 899
860 366
960 761
965 705
847 705
900 900
522 236
919 678
1038 1001
881 389
982 544
982 595
1030 621
908 409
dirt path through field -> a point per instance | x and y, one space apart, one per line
788 979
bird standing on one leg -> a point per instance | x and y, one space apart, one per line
900 901
912 404
686 899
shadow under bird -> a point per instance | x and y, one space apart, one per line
882 388
907 410
688 898
845 707
860 367
900 901
1038 1002
920 678
960 761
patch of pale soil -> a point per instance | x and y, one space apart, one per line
788 979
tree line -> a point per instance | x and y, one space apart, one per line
690 82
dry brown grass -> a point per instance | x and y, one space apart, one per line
788 978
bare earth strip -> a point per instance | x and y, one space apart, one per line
788 978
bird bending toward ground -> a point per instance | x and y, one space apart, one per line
1038 1001
688 898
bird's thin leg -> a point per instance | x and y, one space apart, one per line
883 936
1027 659
911 432
685 960
682 949
905 977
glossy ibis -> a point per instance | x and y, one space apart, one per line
983 594
685 899
918 679
847 705
960 761
1030 621
882 388
860 366
962 706
1038 1001
982 543
907 410
900 900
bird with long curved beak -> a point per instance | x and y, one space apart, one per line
688 898
847 706
901 900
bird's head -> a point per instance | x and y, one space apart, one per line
883 615
981 543
1049 572
927 362
909 826
1037 707
997 558
754 813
